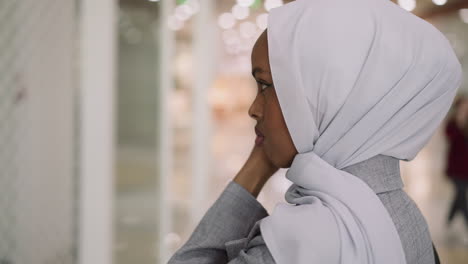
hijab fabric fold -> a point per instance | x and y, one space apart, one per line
354 79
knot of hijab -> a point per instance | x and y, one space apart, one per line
354 79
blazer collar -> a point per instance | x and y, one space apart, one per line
381 173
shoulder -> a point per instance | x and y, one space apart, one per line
294 226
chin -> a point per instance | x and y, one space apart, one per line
280 162
286 164
278 158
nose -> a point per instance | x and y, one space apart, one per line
256 109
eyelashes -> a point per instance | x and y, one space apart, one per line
263 86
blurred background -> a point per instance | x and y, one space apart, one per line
122 121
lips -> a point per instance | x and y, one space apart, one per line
257 131
260 137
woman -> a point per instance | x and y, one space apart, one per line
457 167
346 89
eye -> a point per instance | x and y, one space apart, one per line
263 86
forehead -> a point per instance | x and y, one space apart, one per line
260 52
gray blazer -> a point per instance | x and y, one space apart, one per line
230 233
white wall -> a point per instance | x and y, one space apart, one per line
38 63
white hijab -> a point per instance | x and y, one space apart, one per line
354 79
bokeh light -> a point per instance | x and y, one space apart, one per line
226 20
408 5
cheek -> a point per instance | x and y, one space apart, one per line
278 145
279 150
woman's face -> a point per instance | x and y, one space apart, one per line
265 109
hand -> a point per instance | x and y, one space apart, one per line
263 164
256 171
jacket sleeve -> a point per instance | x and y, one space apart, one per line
228 233
252 250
